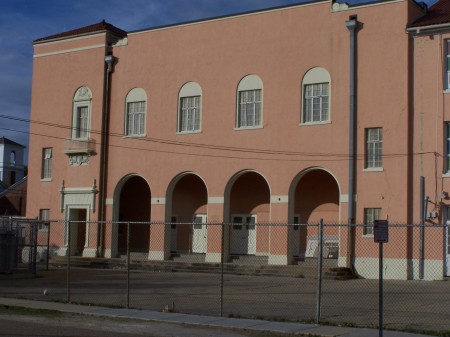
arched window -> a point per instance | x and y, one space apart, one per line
249 103
316 96
190 108
12 157
81 121
136 110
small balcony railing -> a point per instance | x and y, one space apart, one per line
79 146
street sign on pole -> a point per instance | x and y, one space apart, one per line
381 236
380 231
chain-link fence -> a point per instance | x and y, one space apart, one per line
277 272
21 248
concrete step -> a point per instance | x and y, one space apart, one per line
339 273
187 258
306 270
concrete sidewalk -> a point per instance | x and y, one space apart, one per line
207 321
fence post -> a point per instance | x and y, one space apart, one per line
48 245
319 272
68 260
221 267
128 265
34 229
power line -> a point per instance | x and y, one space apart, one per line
173 142
337 157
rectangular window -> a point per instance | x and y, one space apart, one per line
315 109
136 118
374 148
447 147
447 65
81 122
44 217
189 119
370 214
46 172
249 115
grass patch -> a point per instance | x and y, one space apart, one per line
14 310
443 333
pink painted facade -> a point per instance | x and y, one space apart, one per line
209 122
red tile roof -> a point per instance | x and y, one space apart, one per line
95 28
437 14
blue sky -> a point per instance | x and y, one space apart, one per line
22 21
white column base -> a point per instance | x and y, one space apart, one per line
62 251
213 257
90 252
280 260
156 255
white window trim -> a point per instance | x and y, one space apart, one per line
374 169
315 75
366 158
199 130
135 95
43 163
43 220
82 98
366 224
190 89
446 155
446 70
249 82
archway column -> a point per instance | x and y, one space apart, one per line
215 231
280 247
92 232
159 231
110 232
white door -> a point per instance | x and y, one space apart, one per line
199 233
447 249
243 237
296 235
173 234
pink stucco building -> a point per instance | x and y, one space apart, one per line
262 117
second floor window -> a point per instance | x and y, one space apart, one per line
189 118
81 113
316 85
81 123
190 108
374 148
249 115
447 65
46 170
135 119
315 109
135 113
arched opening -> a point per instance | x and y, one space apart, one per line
134 207
189 202
249 204
315 194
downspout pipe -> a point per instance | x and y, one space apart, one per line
352 25
109 64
